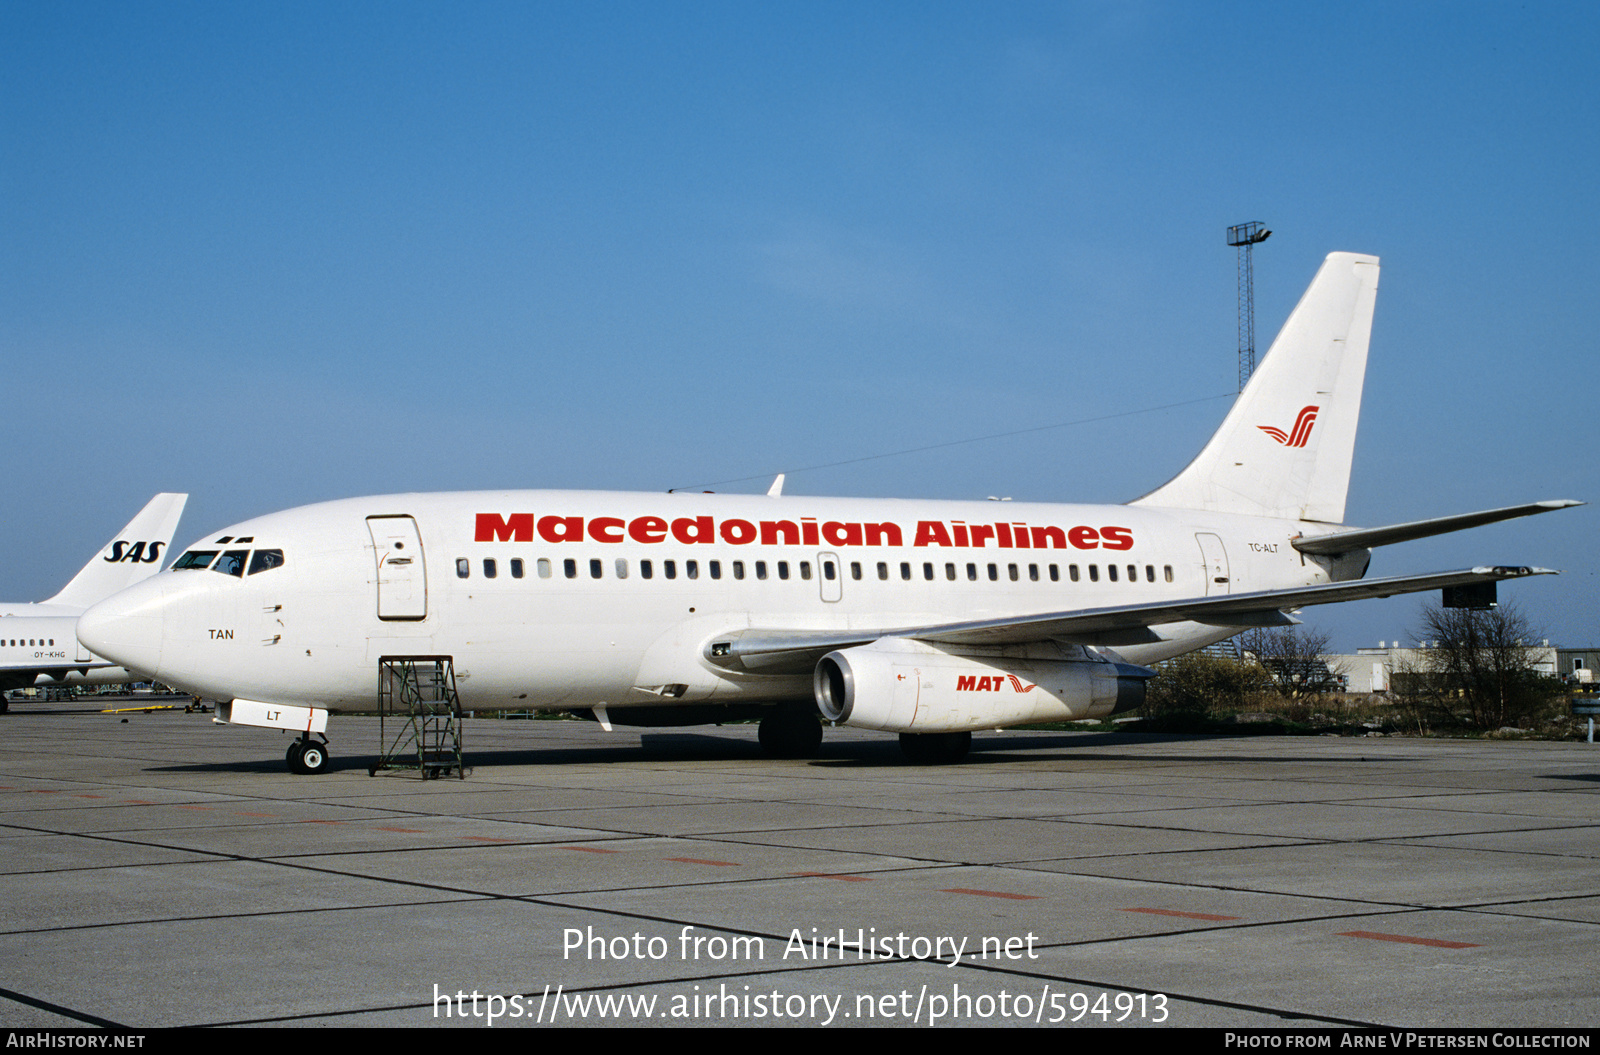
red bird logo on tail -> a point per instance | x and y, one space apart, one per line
1301 432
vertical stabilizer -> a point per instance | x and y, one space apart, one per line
135 553
1284 450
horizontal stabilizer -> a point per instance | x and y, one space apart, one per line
1366 538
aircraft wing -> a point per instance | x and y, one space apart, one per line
1366 538
786 651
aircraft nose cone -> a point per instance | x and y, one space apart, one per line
127 628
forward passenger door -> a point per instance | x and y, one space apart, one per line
402 575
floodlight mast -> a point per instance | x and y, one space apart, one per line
1245 236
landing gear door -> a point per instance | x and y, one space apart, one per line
1216 563
402 576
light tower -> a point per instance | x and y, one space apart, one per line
1245 236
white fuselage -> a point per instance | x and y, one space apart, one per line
574 599
39 642
39 646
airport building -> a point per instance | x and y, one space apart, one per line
1370 670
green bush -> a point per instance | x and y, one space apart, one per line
1198 687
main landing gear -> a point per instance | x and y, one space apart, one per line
935 749
791 732
306 756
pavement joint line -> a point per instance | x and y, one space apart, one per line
291 862
1337 840
57 1009
1243 924
265 913
1401 840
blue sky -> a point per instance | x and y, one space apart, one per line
278 253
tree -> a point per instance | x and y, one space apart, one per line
1481 667
1192 686
1292 655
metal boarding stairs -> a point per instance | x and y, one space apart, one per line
418 695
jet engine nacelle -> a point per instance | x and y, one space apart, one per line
902 686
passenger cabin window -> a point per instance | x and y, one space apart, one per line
463 568
569 568
647 570
544 567
516 567
489 570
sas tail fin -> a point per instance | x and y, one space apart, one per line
1284 450
135 553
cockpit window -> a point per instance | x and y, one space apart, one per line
266 560
195 558
232 562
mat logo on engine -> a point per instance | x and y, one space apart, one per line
975 683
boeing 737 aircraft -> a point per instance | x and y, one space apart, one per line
925 618
39 642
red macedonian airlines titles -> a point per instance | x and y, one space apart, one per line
922 618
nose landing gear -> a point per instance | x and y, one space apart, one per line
307 756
